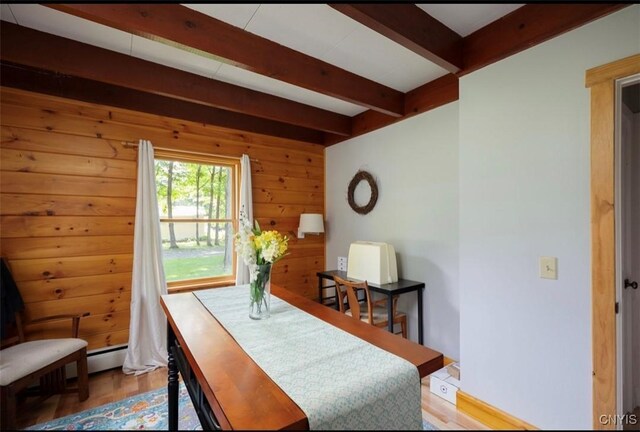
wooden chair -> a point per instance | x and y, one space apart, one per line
373 312
24 362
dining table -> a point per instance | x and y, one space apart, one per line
229 390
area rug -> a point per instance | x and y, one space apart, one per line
147 411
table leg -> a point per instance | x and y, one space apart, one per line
173 381
420 326
320 290
390 312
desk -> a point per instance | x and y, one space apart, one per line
227 387
390 289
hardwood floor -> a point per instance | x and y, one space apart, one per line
112 385
104 387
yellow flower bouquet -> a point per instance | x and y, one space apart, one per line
259 250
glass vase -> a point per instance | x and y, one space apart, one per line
260 293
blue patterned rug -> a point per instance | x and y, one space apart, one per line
147 411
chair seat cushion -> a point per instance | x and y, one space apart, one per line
379 314
20 360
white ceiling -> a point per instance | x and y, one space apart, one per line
464 19
314 29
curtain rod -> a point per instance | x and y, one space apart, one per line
127 144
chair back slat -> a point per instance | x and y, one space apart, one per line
341 294
20 327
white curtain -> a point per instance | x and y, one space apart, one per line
246 207
147 348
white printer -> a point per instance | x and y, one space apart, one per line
374 262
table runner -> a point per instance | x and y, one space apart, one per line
338 380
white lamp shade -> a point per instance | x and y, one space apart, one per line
311 223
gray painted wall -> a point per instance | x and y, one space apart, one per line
416 166
524 193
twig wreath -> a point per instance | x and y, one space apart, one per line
355 181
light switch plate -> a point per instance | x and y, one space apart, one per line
549 267
342 263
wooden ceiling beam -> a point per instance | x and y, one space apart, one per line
37 49
431 95
69 87
525 27
515 32
202 34
411 27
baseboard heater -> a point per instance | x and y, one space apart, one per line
101 359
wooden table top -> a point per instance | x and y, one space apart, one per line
241 395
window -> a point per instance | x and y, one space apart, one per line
197 205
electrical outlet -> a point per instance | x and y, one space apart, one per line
342 263
549 267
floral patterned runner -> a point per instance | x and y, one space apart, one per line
340 381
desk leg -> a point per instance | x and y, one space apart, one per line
173 381
390 312
420 319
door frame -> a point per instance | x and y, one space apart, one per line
621 215
601 82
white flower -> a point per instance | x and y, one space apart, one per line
255 246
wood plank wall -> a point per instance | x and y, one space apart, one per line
67 203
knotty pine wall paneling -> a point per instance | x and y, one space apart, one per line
67 203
